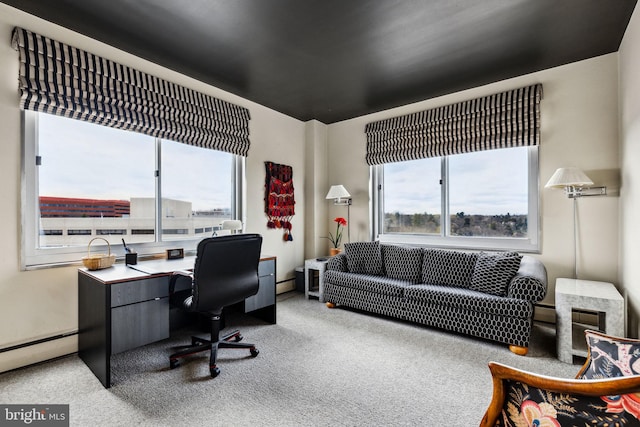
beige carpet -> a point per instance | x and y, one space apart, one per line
317 367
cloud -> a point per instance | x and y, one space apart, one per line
486 183
85 160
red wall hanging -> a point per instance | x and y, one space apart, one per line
279 202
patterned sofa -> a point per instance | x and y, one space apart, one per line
487 295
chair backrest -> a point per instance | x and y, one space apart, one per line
524 398
609 356
226 271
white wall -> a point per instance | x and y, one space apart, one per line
579 128
316 187
629 154
43 303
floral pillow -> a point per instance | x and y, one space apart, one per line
610 358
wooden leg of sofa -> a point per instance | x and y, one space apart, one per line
520 351
330 304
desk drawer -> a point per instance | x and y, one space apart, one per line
266 295
139 290
135 325
266 268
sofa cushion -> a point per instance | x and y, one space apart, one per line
402 262
364 257
493 272
448 268
366 282
452 299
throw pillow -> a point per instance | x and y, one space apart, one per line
493 272
611 356
364 257
448 268
403 263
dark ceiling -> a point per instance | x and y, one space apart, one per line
332 60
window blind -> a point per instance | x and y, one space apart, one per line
60 79
503 120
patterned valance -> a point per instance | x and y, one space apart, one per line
63 80
503 120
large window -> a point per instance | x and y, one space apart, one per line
480 200
83 180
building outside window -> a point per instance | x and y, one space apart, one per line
84 179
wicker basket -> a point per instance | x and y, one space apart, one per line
98 261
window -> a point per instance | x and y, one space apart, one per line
479 200
89 179
79 232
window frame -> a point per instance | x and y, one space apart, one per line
33 257
530 244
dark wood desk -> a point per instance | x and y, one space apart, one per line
124 307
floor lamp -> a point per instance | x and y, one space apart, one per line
575 184
341 197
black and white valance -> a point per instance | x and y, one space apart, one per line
63 80
503 120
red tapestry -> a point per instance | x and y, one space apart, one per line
279 203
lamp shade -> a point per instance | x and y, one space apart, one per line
568 177
232 224
337 192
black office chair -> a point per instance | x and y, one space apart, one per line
225 273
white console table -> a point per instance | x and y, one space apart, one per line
575 294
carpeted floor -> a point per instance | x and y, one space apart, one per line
316 367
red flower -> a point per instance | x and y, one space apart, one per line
335 240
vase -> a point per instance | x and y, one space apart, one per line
334 251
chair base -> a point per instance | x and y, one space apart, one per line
200 344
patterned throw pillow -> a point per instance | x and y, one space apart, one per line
448 268
403 263
618 357
364 257
493 272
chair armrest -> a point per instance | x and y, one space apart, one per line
175 276
530 282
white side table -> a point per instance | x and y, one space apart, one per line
600 297
311 265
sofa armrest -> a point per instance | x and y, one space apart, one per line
338 263
530 282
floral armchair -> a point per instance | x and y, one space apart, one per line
606 391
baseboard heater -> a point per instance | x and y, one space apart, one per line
36 342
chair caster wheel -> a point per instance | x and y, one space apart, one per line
239 338
254 352
173 364
215 371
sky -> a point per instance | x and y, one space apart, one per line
487 183
92 161
83 160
